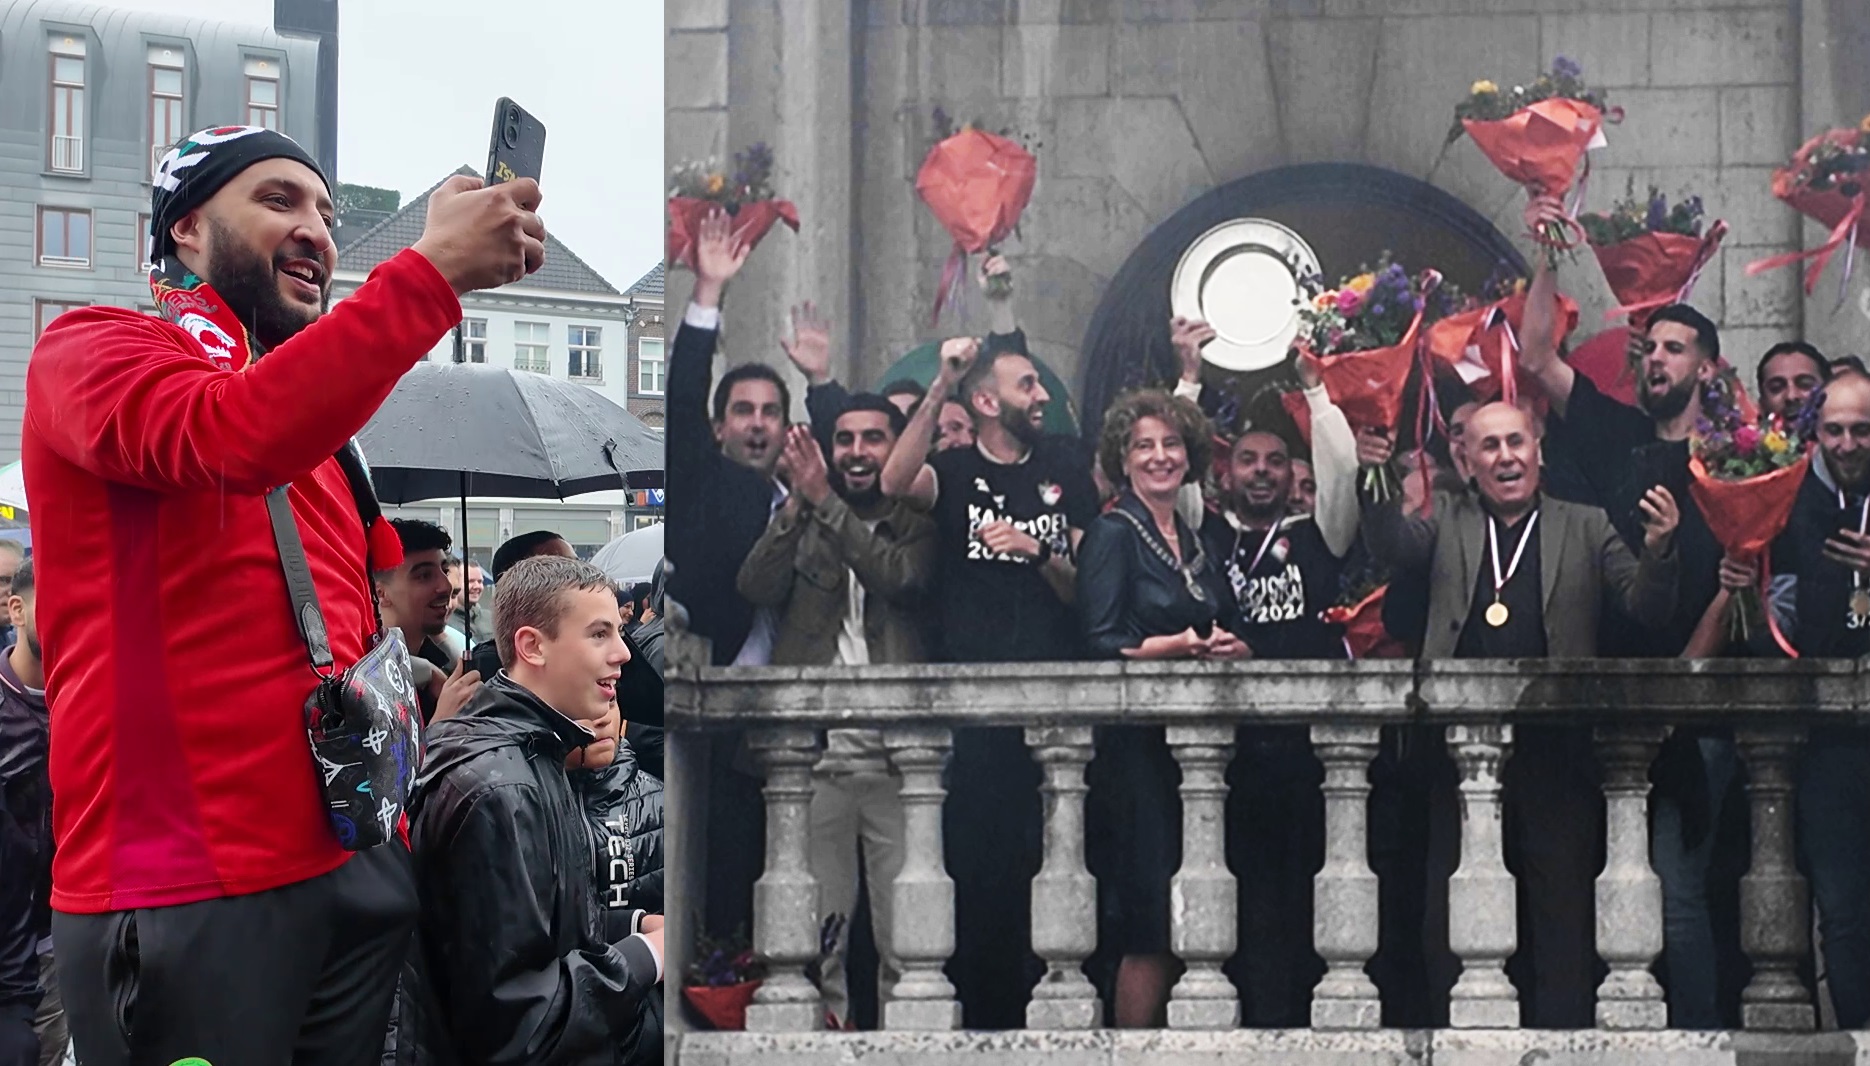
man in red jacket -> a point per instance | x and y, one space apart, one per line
204 908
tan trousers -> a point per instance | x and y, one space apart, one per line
857 816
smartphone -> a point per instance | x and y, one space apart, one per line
517 147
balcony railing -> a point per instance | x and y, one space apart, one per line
67 153
1770 706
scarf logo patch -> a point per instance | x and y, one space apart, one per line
213 339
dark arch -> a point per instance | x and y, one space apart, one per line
1349 213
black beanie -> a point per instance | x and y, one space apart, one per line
196 169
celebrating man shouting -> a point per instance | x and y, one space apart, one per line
204 906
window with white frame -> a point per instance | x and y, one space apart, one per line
65 153
650 366
474 340
167 119
44 311
263 101
64 237
532 346
586 344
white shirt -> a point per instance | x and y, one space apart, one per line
758 649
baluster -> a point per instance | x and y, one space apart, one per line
785 898
1482 903
1064 894
924 896
1344 908
1202 903
1629 894
1775 912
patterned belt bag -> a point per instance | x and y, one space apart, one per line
364 723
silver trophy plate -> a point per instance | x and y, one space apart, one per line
1244 279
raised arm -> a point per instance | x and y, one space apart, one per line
808 345
1538 333
123 397
1399 540
1334 462
996 281
907 475
690 443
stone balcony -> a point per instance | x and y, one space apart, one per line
1769 705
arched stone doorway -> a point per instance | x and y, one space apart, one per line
1349 213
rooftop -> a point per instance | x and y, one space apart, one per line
650 286
563 270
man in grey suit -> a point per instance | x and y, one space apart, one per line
1516 574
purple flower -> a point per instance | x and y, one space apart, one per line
1379 310
1566 68
1658 213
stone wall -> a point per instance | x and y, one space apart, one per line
1143 105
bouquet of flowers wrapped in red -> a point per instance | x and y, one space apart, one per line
696 189
1826 182
1361 615
1480 338
1537 135
1364 335
977 185
1745 474
1652 253
721 982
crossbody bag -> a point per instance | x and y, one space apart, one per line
363 723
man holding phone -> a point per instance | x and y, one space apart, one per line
204 908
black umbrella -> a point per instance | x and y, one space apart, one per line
467 429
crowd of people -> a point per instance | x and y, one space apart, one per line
944 524
230 634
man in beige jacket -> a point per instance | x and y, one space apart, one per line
844 568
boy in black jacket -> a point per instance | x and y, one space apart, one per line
518 960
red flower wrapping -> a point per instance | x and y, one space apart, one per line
977 185
1828 207
1654 270
751 222
1539 146
1368 385
1450 338
723 1006
1364 635
1746 515
1605 359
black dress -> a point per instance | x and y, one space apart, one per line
1129 589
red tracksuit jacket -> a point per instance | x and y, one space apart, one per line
180 767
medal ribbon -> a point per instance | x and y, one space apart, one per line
1265 543
1493 539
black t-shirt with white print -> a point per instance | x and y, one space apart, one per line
998 608
1282 596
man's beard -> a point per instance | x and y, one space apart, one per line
1272 510
32 645
1018 422
1855 479
249 282
868 498
1669 404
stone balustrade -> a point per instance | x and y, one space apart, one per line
1630 705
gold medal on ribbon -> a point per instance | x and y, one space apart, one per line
1498 614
